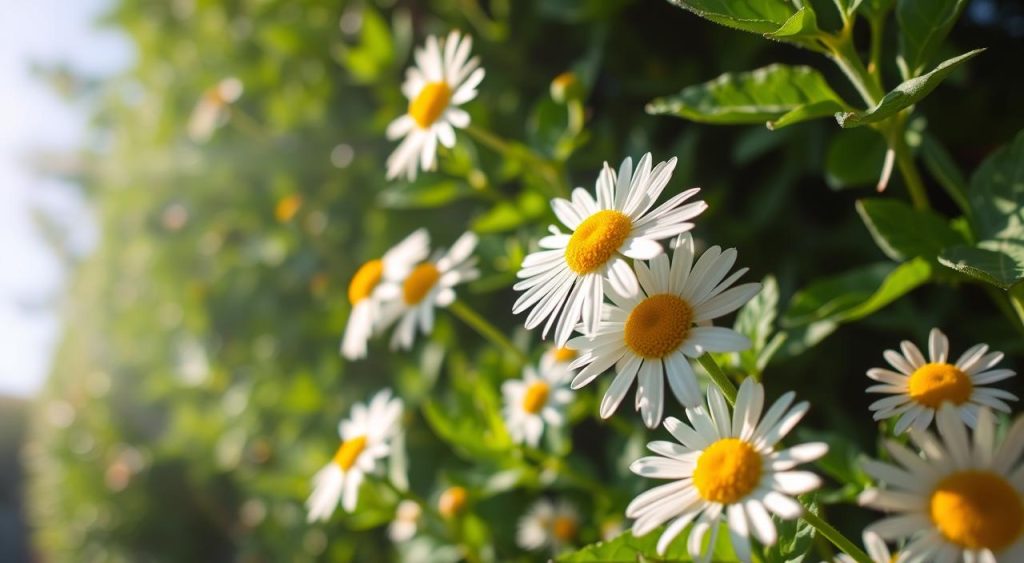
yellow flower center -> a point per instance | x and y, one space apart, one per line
596 240
430 103
452 501
727 471
563 354
658 325
564 528
366 279
933 384
287 207
977 510
536 397
349 451
419 282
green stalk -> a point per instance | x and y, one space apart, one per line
544 167
486 329
1017 300
905 162
835 536
718 376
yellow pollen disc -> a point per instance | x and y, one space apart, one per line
536 397
419 282
349 451
564 354
596 240
977 510
452 501
933 384
727 471
366 279
658 325
564 528
430 103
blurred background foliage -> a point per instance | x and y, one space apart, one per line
198 384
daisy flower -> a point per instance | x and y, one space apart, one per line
650 334
565 281
411 301
365 438
548 525
364 289
959 499
533 401
725 467
211 110
919 386
406 522
558 359
443 78
876 549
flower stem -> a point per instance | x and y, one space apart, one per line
835 536
905 162
1016 294
718 376
486 329
548 171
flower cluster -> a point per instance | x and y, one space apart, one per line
626 292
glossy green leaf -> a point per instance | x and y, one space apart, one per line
855 294
757 96
903 232
854 158
906 94
802 24
627 547
924 25
755 16
1000 263
996 198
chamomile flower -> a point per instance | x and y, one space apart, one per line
533 402
725 467
876 549
959 499
411 300
651 334
565 281
918 386
406 522
443 79
211 110
554 526
365 439
558 359
364 289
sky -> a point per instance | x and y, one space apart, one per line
35 120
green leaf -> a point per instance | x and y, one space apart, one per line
944 169
423 195
627 547
903 232
906 94
507 215
757 96
807 112
854 158
924 25
802 24
996 198
855 294
755 16
756 321
1000 263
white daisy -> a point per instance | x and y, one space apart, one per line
443 78
919 386
725 466
411 301
876 549
406 522
363 290
211 110
570 273
554 526
533 401
958 499
558 359
651 333
365 438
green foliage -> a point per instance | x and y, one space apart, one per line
781 94
627 547
755 16
903 232
924 25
